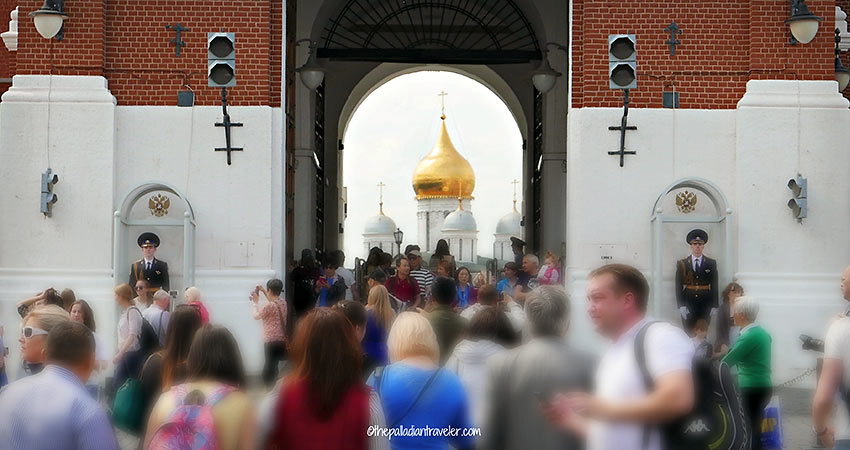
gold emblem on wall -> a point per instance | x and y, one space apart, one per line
686 201
158 204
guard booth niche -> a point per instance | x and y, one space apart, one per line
162 209
684 205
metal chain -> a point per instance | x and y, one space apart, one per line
798 378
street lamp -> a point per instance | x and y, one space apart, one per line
804 25
311 72
842 74
398 235
49 18
545 76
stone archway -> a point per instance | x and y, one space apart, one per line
686 204
171 225
323 114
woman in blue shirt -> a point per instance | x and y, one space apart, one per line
416 393
466 293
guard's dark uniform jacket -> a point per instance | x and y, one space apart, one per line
157 276
696 290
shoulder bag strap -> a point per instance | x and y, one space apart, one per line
640 357
418 397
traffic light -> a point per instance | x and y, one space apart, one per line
48 198
221 60
798 202
622 61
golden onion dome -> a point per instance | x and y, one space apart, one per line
443 171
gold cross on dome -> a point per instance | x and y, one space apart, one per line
443 95
515 183
381 196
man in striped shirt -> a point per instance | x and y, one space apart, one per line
424 278
53 409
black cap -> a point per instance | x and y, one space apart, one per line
515 241
410 248
512 266
148 239
697 236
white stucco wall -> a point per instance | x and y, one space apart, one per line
102 151
749 153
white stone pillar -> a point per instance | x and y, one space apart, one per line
791 267
66 123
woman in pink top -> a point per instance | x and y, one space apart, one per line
273 315
193 297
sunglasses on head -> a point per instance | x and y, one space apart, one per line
29 332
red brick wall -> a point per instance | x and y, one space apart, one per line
845 56
127 42
7 58
724 44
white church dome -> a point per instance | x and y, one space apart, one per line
509 224
379 224
460 220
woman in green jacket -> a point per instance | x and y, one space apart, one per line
751 353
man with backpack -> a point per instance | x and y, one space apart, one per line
644 378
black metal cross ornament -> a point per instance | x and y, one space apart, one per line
226 123
622 128
673 29
178 40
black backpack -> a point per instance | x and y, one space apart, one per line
148 340
717 421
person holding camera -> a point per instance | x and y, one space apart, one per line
834 376
273 315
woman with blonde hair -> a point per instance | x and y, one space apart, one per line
379 318
415 392
37 324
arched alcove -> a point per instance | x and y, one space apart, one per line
161 208
686 204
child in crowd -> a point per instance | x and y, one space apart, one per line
550 272
699 335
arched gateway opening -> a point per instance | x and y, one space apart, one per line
362 44
405 166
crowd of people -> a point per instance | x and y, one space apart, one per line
394 354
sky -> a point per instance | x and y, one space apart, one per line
397 125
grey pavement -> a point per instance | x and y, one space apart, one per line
796 422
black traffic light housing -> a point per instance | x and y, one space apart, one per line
221 59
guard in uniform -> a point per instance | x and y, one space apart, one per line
696 283
518 247
149 268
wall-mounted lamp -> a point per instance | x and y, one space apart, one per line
545 76
804 25
311 72
842 74
49 18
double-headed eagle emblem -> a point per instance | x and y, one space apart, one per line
686 201
158 204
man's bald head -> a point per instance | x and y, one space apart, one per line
845 283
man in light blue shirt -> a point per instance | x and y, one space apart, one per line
53 410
